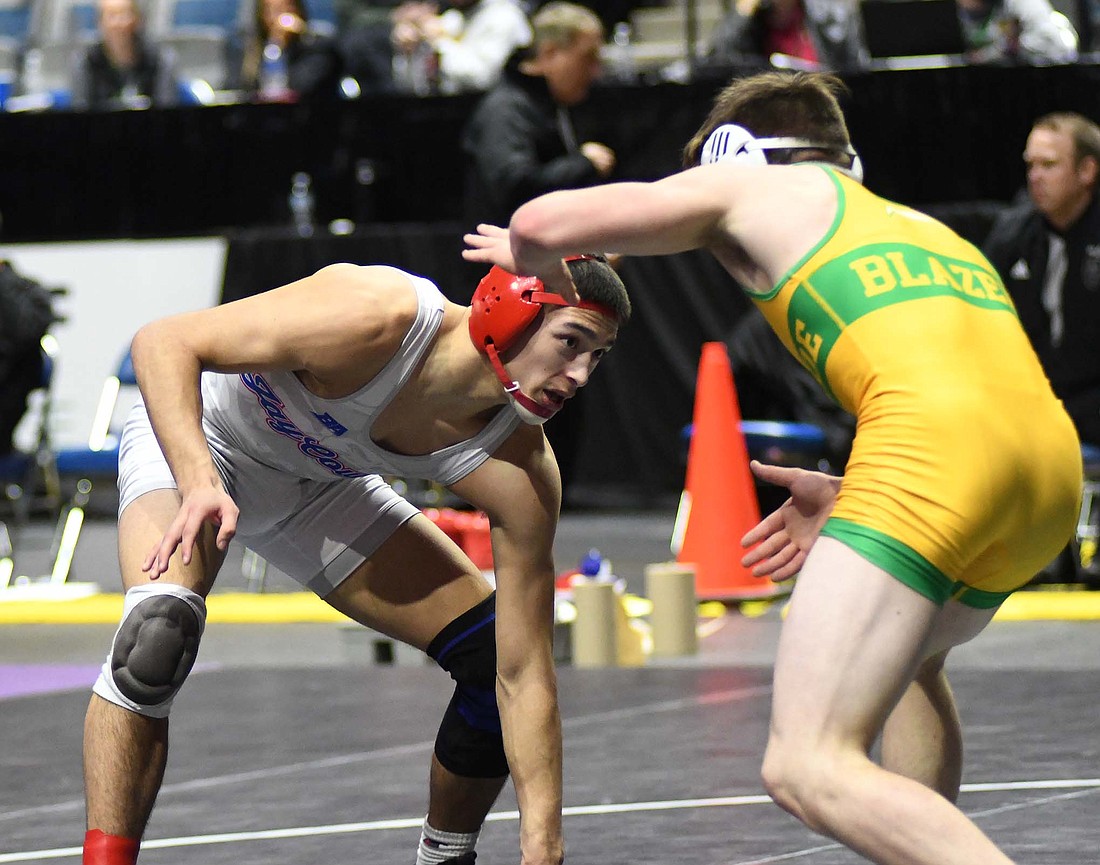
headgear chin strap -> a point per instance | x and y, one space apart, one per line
732 143
503 307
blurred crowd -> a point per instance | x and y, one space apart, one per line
137 53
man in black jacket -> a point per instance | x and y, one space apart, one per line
1047 251
520 141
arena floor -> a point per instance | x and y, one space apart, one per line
291 744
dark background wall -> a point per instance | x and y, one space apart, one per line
948 141
927 136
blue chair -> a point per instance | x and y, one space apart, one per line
83 19
15 21
782 442
786 443
206 13
89 464
321 11
322 17
15 32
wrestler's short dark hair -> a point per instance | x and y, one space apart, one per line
596 280
778 104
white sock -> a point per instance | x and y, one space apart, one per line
437 847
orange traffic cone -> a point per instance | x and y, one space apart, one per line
719 502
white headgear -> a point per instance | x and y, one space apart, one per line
735 143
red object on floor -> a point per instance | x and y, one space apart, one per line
473 528
468 529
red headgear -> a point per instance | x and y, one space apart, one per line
503 307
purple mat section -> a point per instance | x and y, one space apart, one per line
21 680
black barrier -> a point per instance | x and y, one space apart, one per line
926 136
263 258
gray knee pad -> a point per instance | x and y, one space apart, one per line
154 648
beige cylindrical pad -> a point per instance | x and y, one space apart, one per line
671 588
594 643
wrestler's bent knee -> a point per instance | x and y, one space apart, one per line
809 783
469 742
154 648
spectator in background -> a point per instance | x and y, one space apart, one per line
363 30
123 69
283 59
520 143
464 48
1016 31
811 34
1047 252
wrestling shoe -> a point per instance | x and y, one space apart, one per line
464 859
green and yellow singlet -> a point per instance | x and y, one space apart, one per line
965 474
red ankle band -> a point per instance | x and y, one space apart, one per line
103 849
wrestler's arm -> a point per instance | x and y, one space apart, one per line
685 211
759 221
519 488
340 317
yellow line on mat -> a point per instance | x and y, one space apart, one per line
237 608
305 607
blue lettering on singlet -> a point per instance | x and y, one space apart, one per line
331 423
274 407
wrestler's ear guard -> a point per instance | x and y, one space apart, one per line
505 305
732 143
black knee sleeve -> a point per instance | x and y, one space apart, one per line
469 742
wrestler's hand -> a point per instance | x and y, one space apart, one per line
601 156
205 505
490 244
787 534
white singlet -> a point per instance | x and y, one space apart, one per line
304 470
